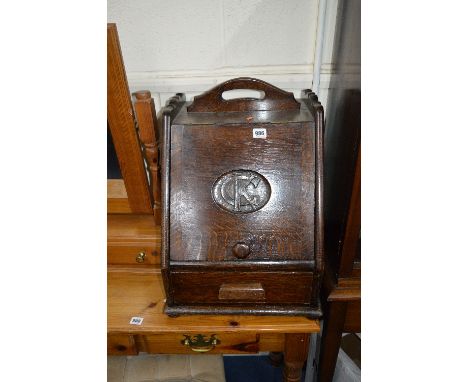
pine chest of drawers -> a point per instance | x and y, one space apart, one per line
242 229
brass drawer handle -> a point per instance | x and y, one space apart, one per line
140 258
199 343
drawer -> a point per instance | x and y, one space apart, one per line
212 343
121 344
132 254
216 287
133 239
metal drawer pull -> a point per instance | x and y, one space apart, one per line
140 258
199 343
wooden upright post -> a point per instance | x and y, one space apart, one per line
122 126
148 133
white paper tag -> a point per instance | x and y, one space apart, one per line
259 133
136 320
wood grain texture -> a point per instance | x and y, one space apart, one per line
273 221
316 108
122 126
121 344
118 206
243 291
142 295
148 133
130 234
146 269
173 106
274 99
117 198
347 289
230 343
132 227
116 189
296 350
192 287
133 253
282 230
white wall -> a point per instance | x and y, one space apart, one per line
327 68
188 46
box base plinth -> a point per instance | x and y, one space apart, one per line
265 310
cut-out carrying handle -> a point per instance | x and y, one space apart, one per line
275 99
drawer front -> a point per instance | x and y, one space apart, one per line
132 254
128 236
215 287
201 343
121 344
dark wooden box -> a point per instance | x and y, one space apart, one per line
242 229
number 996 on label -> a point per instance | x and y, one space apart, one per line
259 133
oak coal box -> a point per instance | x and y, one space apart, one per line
242 221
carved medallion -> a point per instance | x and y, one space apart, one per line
241 191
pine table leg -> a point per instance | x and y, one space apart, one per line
295 354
